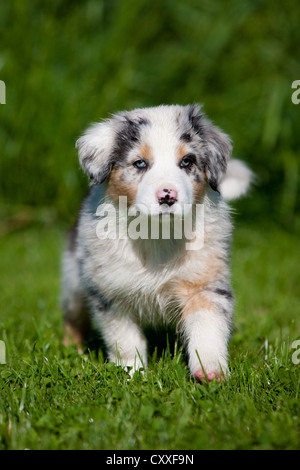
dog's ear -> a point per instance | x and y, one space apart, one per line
218 150
95 148
103 144
216 144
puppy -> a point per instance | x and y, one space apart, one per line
154 167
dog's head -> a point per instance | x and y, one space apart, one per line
160 158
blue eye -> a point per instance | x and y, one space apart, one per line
140 164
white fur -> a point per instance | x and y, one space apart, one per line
165 172
207 335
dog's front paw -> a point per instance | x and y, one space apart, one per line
209 370
203 377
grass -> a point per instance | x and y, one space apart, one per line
53 398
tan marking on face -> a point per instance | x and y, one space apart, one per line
181 152
199 187
117 187
146 153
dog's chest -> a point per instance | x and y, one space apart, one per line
136 283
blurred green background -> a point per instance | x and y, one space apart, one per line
69 63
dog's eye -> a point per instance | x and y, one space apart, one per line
187 161
140 164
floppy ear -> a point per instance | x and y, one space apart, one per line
217 146
95 149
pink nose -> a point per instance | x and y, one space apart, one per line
167 196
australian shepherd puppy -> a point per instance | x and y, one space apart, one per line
130 260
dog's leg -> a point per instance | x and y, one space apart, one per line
125 342
77 324
206 327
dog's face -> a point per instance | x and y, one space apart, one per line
161 158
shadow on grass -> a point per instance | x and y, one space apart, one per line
161 341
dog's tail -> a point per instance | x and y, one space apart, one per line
236 181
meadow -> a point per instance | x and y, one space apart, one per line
53 398
68 63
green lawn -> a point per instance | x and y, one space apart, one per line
52 398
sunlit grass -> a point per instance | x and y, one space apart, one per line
53 398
